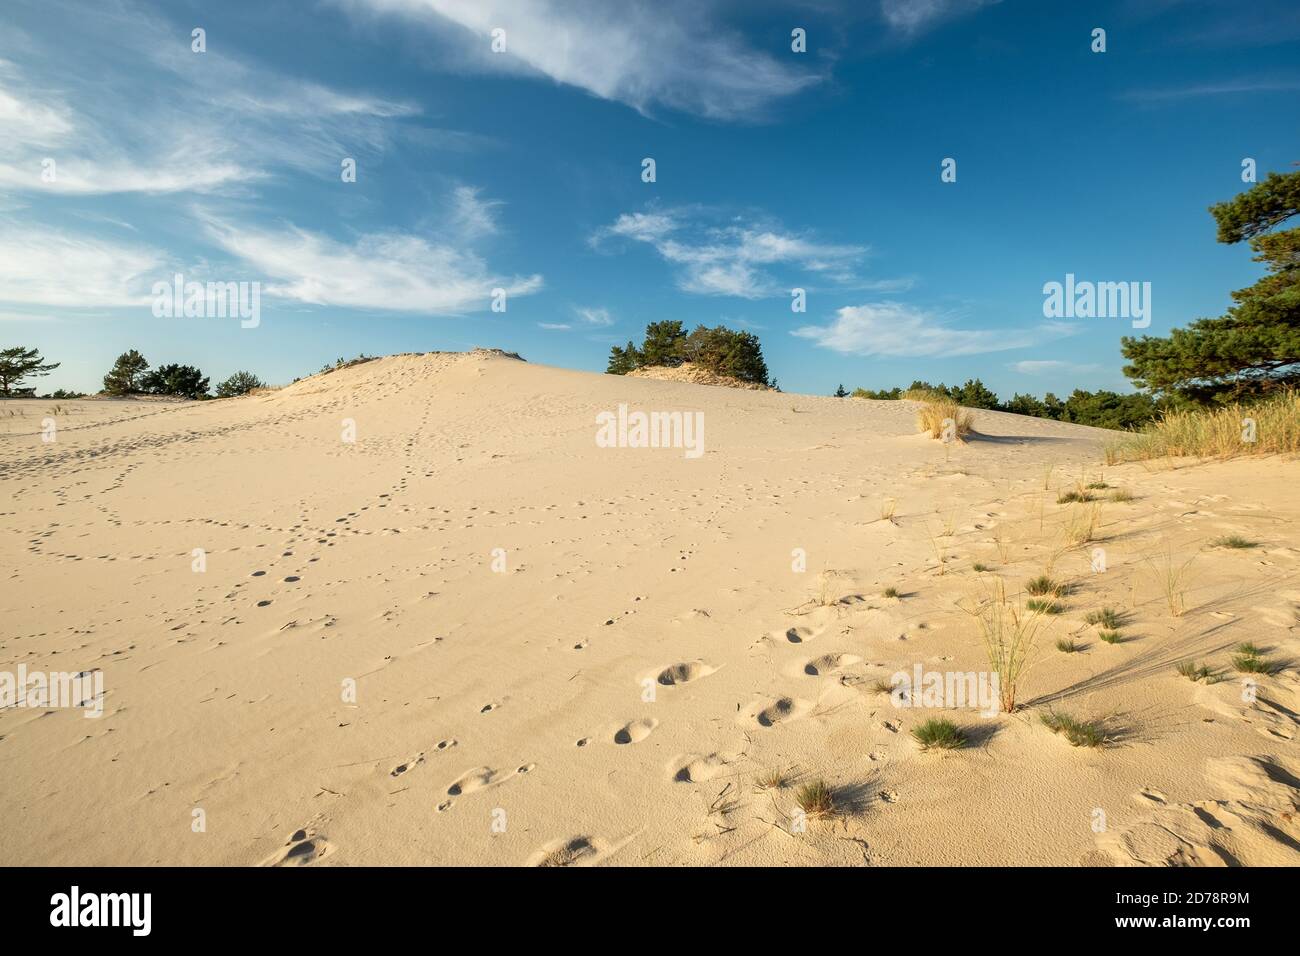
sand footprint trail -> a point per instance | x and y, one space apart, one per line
720 663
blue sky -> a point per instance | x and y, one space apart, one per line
521 170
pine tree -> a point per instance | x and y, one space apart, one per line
124 377
17 364
184 381
241 383
1255 346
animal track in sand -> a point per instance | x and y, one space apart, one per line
635 731
489 707
684 673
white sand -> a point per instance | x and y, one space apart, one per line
488 698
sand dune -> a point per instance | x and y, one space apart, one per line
568 654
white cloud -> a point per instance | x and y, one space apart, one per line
732 259
64 270
913 16
389 271
21 118
900 330
6 316
82 175
597 317
472 215
639 52
197 123
1049 366
643 226
1224 88
587 318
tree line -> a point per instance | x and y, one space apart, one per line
130 375
1102 409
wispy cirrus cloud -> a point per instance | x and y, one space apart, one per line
154 118
471 215
665 53
587 318
1051 367
58 269
198 122
916 16
389 271
599 318
735 257
904 331
1236 87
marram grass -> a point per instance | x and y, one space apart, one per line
1267 427
936 409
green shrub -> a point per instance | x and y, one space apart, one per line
241 383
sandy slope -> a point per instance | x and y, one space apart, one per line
516 697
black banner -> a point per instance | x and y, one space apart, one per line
337 905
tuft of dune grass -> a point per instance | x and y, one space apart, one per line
936 409
1216 433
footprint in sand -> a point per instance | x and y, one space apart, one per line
770 711
570 852
684 673
799 635
406 765
1238 821
830 664
635 731
482 777
694 768
305 846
